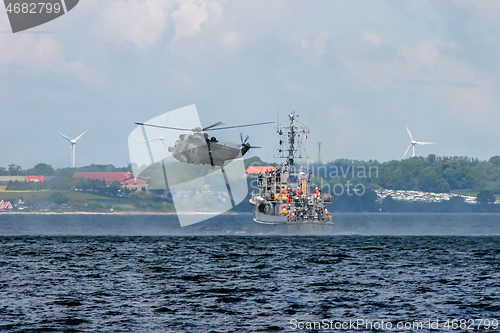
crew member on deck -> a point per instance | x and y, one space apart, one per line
316 192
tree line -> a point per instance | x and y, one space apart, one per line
429 174
63 179
43 169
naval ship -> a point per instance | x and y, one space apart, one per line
284 200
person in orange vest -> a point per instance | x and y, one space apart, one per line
316 192
298 192
288 194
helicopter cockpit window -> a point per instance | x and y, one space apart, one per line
213 139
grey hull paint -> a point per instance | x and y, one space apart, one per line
280 224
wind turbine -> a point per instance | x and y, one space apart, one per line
413 143
73 143
161 138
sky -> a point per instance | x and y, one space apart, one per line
355 71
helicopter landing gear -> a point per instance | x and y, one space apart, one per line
227 186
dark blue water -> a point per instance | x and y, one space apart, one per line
65 281
369 224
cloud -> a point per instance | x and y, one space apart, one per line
337 112
317 48
423 55
476 100
490 8
231 39
189 17
372 37
183 77
424 62
38 53
214 9
431 68
304 42
141 23
41 52
320 43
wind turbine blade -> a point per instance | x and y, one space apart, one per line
406 152
150 140
64 136
425 143
409 132
166 121
78 137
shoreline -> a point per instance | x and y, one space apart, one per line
131 213
119 213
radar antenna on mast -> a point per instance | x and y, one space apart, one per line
290 147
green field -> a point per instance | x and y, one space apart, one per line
44 195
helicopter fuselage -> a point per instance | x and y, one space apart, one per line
198 148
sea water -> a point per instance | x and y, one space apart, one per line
143 273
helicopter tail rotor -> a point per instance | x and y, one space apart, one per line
243 142
245 146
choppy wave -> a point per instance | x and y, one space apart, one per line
242 283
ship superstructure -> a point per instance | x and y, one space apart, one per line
285 200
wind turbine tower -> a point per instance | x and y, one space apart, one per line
319 153
413 143
73 143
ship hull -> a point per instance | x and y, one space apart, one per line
268 223
285 201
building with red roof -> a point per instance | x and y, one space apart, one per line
137 183
108 177
35 179
259 169
5 205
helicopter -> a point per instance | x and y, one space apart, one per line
200 148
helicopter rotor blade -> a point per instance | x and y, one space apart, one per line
246 139
213 125
173 128
206 128
221 128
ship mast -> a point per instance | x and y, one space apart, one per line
293 132
291 138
